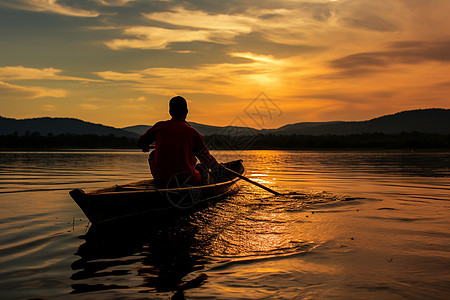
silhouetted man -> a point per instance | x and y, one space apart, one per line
177 145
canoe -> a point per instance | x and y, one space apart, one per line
146 198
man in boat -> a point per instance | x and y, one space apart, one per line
177 145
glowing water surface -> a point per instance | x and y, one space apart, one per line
357 225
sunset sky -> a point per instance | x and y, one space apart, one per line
118 62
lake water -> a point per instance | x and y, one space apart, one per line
353 225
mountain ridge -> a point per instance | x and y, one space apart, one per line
57 126
204 130
434 120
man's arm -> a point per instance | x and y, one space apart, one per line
146 140
202 153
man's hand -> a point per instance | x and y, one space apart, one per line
147 148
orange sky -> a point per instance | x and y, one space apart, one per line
118 62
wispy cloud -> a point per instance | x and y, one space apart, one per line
19 73
140 99
405 52
48 107
114 2
11 91
233 24
157 38
136 104
234 79
12 73
89 106
182 25
49 6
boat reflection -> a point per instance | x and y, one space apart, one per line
161 253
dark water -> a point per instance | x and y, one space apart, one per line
353 226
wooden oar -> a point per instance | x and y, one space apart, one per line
251 181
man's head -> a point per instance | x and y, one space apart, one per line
178 107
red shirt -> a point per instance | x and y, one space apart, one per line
177 145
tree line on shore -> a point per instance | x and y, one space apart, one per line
412 140
35 141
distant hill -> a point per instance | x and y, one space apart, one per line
300 128
56 126
423 120
204 130
137 129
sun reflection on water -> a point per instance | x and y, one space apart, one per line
256 226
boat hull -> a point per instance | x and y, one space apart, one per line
145 199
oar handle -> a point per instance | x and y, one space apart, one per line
249 180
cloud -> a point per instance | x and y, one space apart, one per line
14 91
313 24
48 107
138 103
381 16
89 106
249 77
114 2
370 22
181 25
232 24
49 6
140 99
419 51
440 85
10 91
157 38
20 73
117 76
349 97
280 26
405 52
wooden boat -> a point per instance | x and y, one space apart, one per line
153 200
